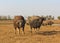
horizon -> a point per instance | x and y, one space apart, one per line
12 17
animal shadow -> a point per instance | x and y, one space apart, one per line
47 32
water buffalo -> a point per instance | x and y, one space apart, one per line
48 23
30 18
36 23
19 22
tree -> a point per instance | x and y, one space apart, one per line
53 18
59 17
0 17
9 17
49 17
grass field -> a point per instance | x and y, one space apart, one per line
46 34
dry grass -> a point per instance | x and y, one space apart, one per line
46 34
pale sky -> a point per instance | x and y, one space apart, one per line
30 7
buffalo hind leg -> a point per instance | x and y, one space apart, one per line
31 29
38 29
23 30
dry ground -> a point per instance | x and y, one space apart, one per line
46 34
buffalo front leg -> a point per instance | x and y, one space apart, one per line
15 30
19 30
38 29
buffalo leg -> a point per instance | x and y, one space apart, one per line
35 29
19 29
15 30
38 29
31 29
23 30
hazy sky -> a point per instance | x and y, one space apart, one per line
30 7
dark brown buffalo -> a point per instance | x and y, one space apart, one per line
19 22
36 23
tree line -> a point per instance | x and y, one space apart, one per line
48 17
5 17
